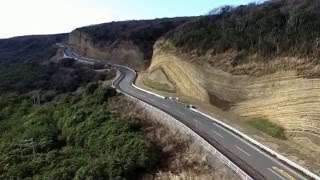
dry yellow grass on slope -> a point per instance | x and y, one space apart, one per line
120 52
181 74
181 156
286 98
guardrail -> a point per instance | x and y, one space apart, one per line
246 137
263 147
152 93
240 134
205 144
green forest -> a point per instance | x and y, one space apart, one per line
284 27
142 33
76 136
64 111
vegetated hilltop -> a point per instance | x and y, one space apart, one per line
256 61
29 49
40 102
21 60
68 113
260 33
127 42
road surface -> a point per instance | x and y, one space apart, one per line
257 163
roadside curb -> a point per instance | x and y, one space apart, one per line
261 146
244 136
250 140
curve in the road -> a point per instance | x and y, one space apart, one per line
251 159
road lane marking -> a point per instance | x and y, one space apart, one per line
276 174
198 121
283 172
165 105
181 112
242 150
152 100
255 148
217 133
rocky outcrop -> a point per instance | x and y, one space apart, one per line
284 97
120 52
179 73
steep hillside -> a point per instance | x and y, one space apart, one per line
29 48
252 61
128 42
78 127
22 62
250 39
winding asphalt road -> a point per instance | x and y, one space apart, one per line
255 162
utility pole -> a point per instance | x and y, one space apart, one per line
27 144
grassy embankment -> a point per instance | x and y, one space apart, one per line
159 86
270 128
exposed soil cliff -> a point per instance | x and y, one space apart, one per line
120 52
280 96
284 97
124 42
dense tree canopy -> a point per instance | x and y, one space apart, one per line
75 134
76 137
142 33
284 27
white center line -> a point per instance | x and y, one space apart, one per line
276 174
153 100
180 112
165 105
242 150
217 133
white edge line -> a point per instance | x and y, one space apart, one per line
265 148
177 120
217 133
260 151
276 174
198 121
253 142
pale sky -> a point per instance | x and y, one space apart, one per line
27 17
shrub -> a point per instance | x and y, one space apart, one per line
76 136
91 87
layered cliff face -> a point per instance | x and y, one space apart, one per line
125 42
248 60
284 97
120 52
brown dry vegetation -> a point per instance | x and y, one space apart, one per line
124 52
181 156
284 97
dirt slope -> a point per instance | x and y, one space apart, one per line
121 52
123 42
285 97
